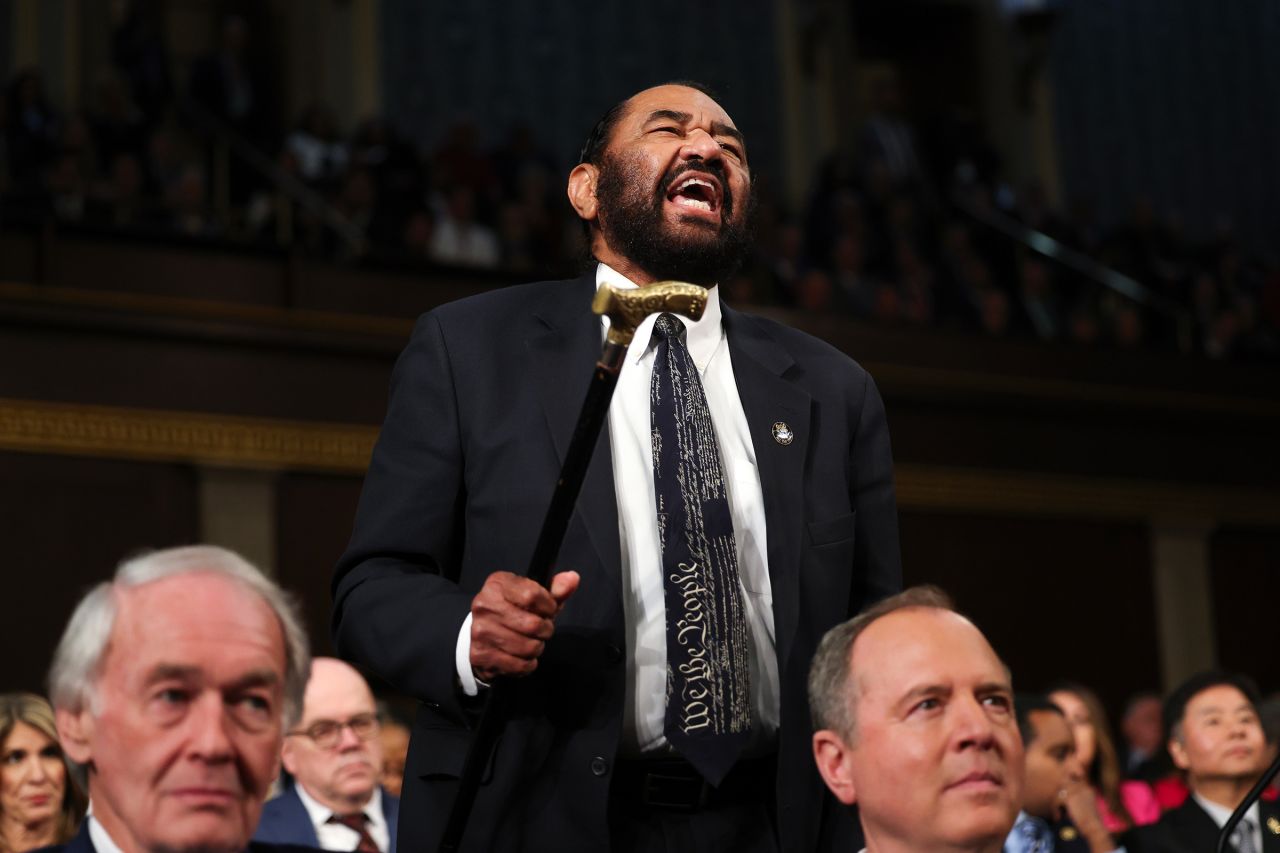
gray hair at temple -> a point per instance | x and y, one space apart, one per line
832 682
77 663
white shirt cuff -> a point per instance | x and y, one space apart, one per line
462 661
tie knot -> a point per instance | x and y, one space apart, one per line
354 821
668 326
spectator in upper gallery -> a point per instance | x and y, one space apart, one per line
1059 811
1143 733
173 684
914 722
886 136
139 53
227 84
320 154
460 162
40 804
334 755
115 123
1038 305
32 131
224 81
1216 738
458 238
1122 804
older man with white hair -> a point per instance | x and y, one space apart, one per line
173 685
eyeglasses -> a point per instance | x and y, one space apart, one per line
327 733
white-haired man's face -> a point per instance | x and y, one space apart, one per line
183 736
935 761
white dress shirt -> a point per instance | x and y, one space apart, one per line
1221 814
643 602
102 842
335 836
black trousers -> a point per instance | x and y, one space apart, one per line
655 818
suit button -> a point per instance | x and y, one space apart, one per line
599 766
615 654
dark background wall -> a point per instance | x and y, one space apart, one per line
1174 100
559 65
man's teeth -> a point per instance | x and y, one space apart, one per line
696 182
692 202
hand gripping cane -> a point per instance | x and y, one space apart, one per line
625 310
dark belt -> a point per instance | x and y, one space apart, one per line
672 784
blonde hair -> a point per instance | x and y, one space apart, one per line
32 710
1104 773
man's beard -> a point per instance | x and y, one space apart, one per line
634 226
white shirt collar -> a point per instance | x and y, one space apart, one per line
1221 814
320 814
102 842
702 336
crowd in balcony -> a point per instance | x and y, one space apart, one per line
895 230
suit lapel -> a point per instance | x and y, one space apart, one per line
563 348
1270 814
295 814
81 843
759 365
391 812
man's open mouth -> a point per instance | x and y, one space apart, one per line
699 192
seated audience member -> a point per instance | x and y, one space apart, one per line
1122 804
40 805
914 722
1143 736
335 758
173 684
1216 738
1059 811
395 750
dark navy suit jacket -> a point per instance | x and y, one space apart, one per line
285 820
82 844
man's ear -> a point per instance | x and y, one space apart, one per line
75 733
288 756
582 191
834 759
1178 753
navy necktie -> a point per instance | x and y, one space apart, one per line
708 718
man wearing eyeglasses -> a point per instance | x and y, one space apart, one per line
335 758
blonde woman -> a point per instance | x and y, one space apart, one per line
39 803
1122 804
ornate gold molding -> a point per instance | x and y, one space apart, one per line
935 488
155 435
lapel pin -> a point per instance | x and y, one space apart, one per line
1068 833
1273 825
783 434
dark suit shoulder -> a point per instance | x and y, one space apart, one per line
1187 828
269 847
515 300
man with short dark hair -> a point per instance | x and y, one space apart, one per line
915 724
1059 811
745 473
335 758
1215 737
